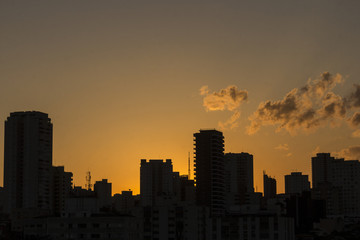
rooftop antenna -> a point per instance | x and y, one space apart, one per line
88 184
189 166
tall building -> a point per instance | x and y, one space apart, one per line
269 187
28 161
338 182
296 183
239 177
209 170
156 181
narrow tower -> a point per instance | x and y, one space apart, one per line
209 170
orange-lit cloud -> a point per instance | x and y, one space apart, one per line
229 99
231 122
284 147
354 99
354 121
356 134
350 153
307 108
315 151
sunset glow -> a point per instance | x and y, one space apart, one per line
130 80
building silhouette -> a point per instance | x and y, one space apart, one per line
269 186
28 162
156 181
296 183
61 188
239 178
220 203
209 170
102 191
338 182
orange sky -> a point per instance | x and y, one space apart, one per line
121 80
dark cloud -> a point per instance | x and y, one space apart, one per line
354 121
354 99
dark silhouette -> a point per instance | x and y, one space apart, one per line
39 201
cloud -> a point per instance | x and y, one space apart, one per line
354 121
315 151
283 147
228 99
350 153
356 134
231 122
307 108
289 155
354 99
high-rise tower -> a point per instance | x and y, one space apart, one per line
209 170
28 161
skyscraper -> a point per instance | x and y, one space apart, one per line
209 170
28 161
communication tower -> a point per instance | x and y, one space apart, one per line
88 184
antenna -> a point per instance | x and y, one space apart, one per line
88 184
189 166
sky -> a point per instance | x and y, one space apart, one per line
130 80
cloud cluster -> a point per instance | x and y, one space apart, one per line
307 108
231 122
284 147
354 99
354 121
229 99
350 153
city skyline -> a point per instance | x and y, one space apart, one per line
33 123
39 199
126 81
